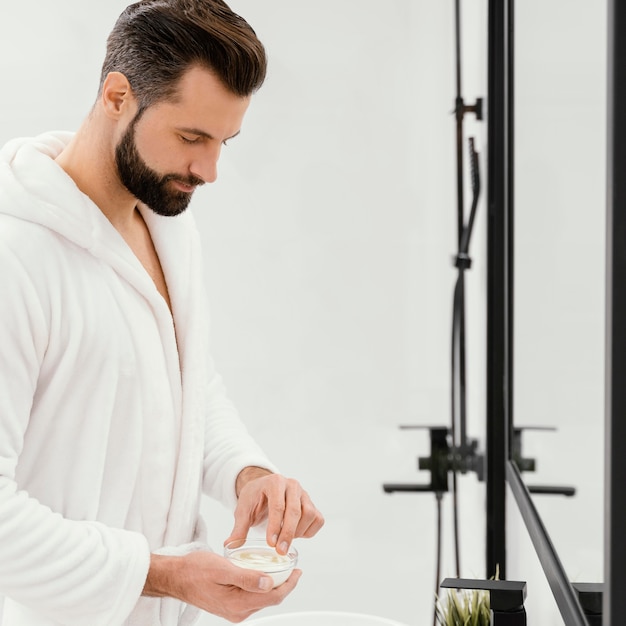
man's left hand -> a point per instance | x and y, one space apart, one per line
281 501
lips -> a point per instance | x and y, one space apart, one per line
184 187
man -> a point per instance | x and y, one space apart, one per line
113 420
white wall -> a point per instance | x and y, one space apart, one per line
328 244
330 236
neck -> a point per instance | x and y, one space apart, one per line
89 160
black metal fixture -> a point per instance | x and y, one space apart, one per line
500 144
615 424
590 598
529 465
506 598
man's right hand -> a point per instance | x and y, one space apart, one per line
213 584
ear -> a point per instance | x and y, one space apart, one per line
117 96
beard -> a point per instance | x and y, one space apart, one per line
144 183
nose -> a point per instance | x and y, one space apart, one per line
205 165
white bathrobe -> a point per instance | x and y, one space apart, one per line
112 418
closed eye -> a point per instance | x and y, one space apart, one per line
194 136
195 140
190 140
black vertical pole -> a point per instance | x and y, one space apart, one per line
459 121
510 230
499 283
460 114
459 348
614 609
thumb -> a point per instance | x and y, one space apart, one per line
251 580
239 531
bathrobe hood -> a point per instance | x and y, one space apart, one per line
113 420
34 189
29 186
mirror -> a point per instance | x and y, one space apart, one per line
559 267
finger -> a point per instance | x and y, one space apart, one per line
288 586
308 527
311 521
314 527
236 535
275 510
241 527
291 516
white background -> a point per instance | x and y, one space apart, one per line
328 245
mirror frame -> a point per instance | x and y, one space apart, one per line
614 604
501 467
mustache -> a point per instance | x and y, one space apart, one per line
191 181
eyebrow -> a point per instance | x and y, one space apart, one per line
203 133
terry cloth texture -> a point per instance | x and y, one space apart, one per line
113 420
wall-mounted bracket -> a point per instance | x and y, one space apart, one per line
461 108
443 459
529 465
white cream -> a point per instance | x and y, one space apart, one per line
278 566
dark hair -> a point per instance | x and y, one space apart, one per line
154 42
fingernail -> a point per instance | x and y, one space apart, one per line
274 539
284 546
266 583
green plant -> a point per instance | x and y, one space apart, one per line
463 608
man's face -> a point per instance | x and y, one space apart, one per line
147 185
172 147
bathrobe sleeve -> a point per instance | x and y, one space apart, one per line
71 572
229 448
227 444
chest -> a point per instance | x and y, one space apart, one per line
140 242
